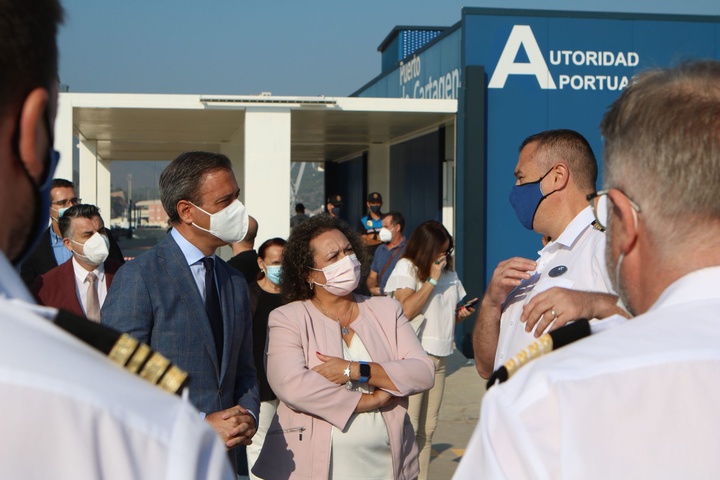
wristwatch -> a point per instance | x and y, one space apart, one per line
364 372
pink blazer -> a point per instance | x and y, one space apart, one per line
298 441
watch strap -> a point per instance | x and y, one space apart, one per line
364 372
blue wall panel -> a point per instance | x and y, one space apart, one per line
588 60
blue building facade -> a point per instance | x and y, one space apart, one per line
515 73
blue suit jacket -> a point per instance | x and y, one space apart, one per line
155 299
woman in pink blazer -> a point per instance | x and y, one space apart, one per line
342 366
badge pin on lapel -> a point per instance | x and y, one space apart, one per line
557 271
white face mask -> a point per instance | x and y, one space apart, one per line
96 249
229 224
342 277
385 235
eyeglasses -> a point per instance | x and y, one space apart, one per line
70 201
599 203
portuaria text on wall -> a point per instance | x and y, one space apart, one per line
522 36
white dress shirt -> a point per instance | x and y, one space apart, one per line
82 285
435 324
640 400
576 260
73 414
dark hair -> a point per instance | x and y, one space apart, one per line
298 257
299 208
572 148
61 183
397 219
28 48
272 242
82 210
181 180
422 246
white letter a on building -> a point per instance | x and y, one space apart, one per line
522 36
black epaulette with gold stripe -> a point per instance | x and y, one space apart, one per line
129 353
545 344
596 225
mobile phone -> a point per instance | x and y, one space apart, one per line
471 304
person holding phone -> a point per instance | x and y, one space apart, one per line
424 282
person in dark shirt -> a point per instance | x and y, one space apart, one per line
246 258
264 298
299 216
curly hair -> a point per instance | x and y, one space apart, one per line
298 257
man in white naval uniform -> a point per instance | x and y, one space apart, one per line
556 170
68 411
639 400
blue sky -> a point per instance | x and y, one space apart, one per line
287 47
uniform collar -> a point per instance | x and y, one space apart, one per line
572 232
695 286
11 285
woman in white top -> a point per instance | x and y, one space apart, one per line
429 290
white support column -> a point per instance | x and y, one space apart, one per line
104 203
449 181
88 170
267 170
378 172
64 137
233 149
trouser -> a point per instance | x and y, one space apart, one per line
267 412
423 409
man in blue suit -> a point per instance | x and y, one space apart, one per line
189 304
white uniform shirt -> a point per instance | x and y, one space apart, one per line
70 413
637 401
435 324
82 286
576 260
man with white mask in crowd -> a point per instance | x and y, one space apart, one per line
50 251
189 304
388 254
80 285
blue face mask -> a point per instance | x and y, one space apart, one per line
335 211
525 200
375 208
42 200
273 273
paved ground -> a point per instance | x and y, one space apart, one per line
459 414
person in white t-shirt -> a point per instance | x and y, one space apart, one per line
555 172
429 290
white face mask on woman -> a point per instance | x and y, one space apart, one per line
342 277
229 224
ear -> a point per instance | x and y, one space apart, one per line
625 223
260 263
560 175
68 244
34 140
184 210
